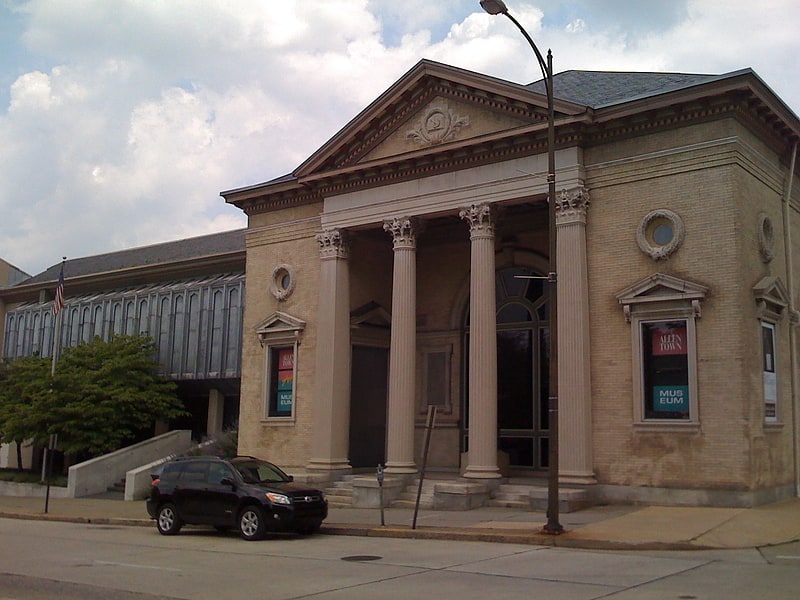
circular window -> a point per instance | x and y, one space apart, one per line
282 282
660 234
766 238
663 234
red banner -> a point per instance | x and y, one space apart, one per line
669 341
285 359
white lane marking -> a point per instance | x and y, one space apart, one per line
132 566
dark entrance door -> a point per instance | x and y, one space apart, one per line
522 368
522 359
368 390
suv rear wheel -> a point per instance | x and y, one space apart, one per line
167 520
251 523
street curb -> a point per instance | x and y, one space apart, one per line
83 520
466 534
504 537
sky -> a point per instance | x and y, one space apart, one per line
121 121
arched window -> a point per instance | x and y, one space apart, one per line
130 318
193 339
179 335
86 327
217 323
143 318
97 321
164 353
234 332
116 318
74 327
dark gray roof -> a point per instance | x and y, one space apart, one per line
597 89
196 247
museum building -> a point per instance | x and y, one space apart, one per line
405 265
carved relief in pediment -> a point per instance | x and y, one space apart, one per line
439 123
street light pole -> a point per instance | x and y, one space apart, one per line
553 526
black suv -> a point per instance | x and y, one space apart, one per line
244 492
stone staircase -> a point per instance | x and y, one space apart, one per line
533 496
408 497
340 493
511 495
519 494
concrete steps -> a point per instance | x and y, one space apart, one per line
340 493
509 495
408 497
527 496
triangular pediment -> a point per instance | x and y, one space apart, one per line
431 106
280 325
771 297
661 288
371 315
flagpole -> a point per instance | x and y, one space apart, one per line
58 305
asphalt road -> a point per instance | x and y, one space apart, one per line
41 560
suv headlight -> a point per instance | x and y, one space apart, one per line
278 498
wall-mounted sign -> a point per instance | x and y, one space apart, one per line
669 341
285 381
671 398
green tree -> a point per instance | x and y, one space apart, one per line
24 390
103 396
108 394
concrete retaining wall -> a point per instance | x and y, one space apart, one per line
98 474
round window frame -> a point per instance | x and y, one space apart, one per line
766 238
647 226
278 289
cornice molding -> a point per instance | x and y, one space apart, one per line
131 276
587 129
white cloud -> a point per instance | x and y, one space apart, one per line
125 119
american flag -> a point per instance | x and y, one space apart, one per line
58 303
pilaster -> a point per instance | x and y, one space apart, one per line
330 441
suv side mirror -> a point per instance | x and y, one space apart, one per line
291 477
228 481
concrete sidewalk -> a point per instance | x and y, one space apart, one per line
599 527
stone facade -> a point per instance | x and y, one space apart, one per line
403 266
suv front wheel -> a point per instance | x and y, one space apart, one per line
251 523
167 520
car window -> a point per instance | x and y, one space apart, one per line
217 472
194 473
260 472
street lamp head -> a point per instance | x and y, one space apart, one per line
494 7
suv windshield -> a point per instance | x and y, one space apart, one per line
258 471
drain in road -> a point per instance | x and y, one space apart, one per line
361 558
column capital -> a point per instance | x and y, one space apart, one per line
333 243
572 205
481 218
404 231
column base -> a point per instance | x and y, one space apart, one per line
328 465
485 472
400 468
576 478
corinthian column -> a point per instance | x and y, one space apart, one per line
402 349
482 460
575 386
330 439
